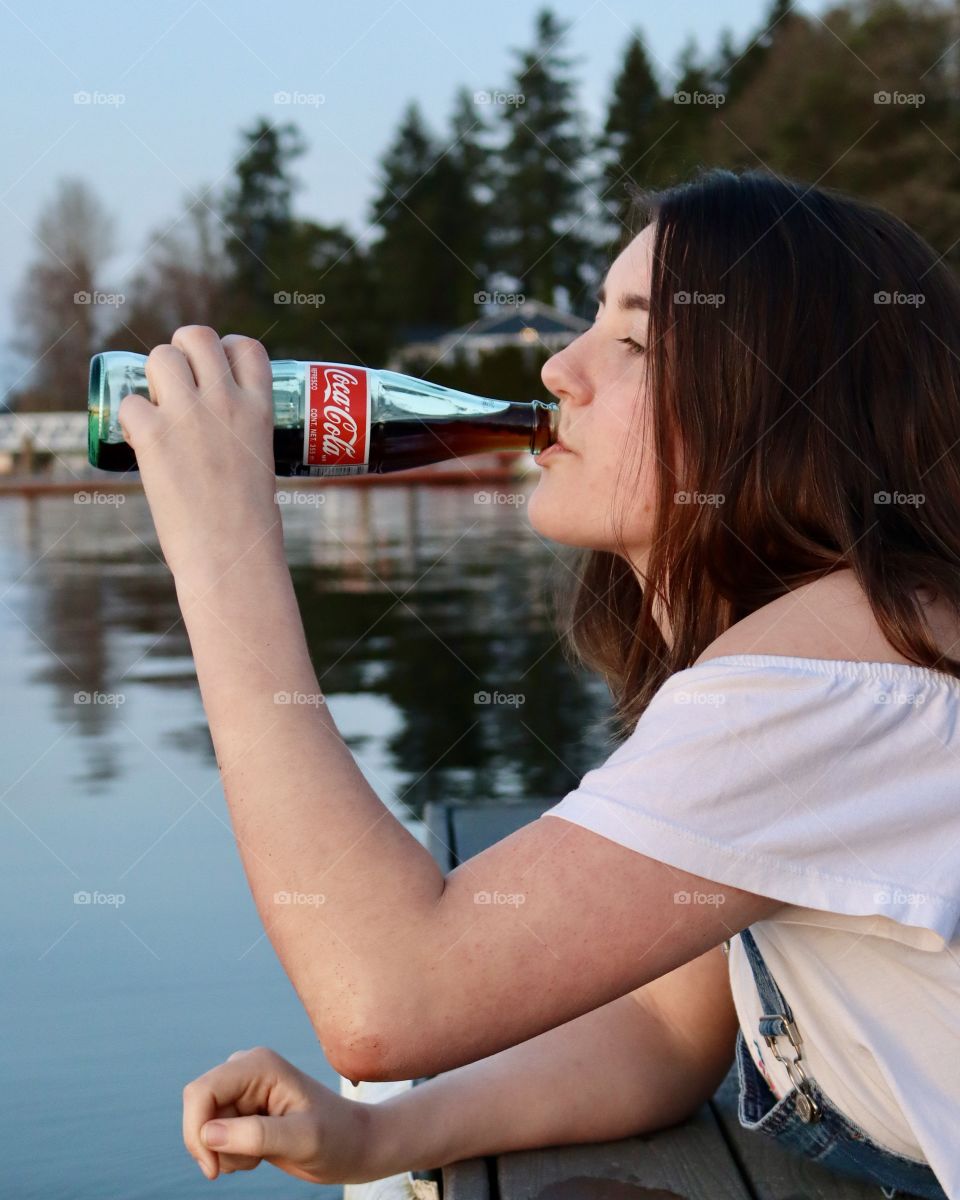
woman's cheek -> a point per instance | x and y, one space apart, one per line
565 512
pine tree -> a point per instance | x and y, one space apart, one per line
331 312
426 260
473 180
541 200
736 68
636 123
258 212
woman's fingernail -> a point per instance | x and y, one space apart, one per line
205 1169
215 1133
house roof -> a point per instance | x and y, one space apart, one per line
510 321
532 314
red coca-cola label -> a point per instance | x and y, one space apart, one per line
336 431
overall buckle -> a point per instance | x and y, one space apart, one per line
808 1109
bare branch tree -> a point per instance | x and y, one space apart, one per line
183 280
58 309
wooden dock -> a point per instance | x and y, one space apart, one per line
506 468
708 1157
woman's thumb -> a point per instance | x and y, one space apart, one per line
132 412
261 1137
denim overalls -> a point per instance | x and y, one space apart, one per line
804 1119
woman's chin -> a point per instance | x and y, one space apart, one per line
558 522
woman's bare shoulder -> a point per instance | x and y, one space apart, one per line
827 618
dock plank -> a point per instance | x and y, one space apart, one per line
708 1157
477 827
775 1173
469 1180
689 1161
659 1166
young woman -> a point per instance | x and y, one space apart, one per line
762 464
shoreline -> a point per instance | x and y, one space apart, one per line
39 486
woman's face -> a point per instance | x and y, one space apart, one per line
600 381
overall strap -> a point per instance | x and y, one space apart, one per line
777 1012
777 1020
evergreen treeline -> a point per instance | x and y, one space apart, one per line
515 195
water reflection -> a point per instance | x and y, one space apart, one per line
414 599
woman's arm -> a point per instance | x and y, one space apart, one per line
340 884
616 1072
402 972
401 975
620 1070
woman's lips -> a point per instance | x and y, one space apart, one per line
557 450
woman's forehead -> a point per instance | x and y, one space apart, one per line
631 267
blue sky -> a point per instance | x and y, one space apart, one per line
193 73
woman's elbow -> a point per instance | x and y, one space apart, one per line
387 1052
367 1049
360 1056
385 1033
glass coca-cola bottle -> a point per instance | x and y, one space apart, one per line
337 419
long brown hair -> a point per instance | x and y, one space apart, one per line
817 411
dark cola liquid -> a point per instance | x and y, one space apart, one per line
395 445
399 445
116 456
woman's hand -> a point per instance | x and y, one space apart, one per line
271 1111
204 448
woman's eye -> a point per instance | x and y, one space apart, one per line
634 347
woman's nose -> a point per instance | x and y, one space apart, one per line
561 378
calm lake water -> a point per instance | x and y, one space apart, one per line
414 599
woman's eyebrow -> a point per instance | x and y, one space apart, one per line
629 300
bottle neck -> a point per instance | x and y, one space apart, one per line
546 426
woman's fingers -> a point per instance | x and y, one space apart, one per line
212 1093
250 364
169 380
168 373
134 415
292 1137
199 1105
200 346
228 1163
242 1084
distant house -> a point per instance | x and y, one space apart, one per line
530 324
